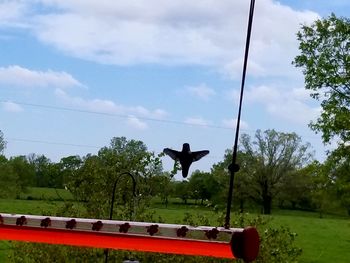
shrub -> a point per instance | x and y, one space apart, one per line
276 244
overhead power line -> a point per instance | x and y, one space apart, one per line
124 116
53 143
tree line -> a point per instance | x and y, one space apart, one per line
277 169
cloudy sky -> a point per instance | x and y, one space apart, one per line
74 74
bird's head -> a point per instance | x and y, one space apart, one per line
186 147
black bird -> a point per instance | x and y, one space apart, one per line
185 157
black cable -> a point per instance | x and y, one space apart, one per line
233 167
124 116
53 143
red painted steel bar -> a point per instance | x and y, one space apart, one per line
117 241
137 236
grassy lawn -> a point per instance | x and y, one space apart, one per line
4 248
37 193
322 240
32 207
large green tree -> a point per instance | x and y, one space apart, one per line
203 186
8 179
68 167
336 169
23 171
295 188
94 181
323 188
45 170
241 185
163 186
325 59
271 156
182 190
15 175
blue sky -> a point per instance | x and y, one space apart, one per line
74 74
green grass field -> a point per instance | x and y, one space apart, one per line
4 248
322 240
37 193
32 207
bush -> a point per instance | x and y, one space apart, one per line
276 244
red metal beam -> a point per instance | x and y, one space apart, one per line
136 236
117 241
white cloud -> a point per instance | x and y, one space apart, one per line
22 77
11 12
301 94
288 104
234 68
142 111
232 123
265 94
197 121
137 123
110 107
204 32
232 95
11 106
201 91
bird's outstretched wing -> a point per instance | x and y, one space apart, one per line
172 153
198 155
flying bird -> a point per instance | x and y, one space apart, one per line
185 157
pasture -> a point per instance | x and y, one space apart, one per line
321 239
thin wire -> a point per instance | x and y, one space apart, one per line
116 115
233 167
52 143
141 118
